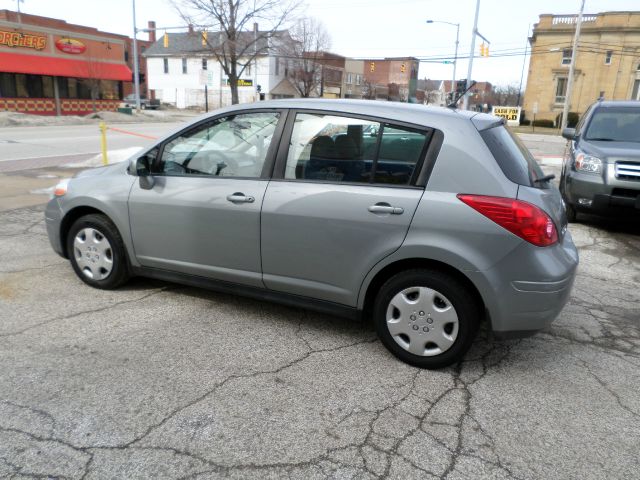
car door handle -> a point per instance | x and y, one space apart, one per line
240 197
385 208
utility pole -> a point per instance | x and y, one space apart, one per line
455 62
524 63
471 54
574 54
136 79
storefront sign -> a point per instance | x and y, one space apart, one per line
23 40
242 82
71 45
510 114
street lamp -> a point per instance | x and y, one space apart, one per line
455 57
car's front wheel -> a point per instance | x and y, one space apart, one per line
426 318
97 252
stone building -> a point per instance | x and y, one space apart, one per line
607 62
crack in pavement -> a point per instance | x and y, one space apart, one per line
84 312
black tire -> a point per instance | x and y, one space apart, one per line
119 272
457 294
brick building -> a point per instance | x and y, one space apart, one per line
607 62
49 67
392 78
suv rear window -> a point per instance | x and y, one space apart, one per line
514 158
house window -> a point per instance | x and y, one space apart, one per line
607 58
566 56
165 65
349 77
277 66
358 79
204 64
561 89
126 56
184 65
636 90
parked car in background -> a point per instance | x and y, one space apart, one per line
145 103
428 221
601 169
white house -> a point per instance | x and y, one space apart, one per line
178 72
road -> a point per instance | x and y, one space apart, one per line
157 380
36 147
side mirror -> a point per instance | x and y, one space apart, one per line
141 167
569 133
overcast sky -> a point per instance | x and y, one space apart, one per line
371 28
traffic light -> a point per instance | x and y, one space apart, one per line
484 50
372 66
204 38
403 68
165 40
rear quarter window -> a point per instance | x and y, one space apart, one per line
514 159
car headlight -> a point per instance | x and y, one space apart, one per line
588 163
61 188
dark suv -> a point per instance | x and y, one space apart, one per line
601 169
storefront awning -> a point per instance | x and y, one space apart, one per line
63 67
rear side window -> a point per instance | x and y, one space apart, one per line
332 148
512 156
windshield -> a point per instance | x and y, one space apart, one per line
619 124
514 158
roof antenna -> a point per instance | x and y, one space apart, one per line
454 104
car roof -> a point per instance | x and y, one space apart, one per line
618 103
403 112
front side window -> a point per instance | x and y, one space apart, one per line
561 89
233 146
332 148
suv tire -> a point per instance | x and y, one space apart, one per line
426 318
97 252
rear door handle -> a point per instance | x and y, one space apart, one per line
385 208
240 197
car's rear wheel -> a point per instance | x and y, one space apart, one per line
97 252
426 318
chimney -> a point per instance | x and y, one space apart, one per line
191 29
151 25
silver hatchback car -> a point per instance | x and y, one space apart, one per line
425 220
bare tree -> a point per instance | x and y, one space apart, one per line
309 40
506 95
233 44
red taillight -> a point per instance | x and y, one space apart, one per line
521 218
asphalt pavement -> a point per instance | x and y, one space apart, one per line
36 147
157 380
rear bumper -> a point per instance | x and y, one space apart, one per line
527 290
